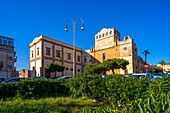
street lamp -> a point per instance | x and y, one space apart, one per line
74 39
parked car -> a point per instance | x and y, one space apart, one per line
15 79
157 75
65 77
42 77
140 75
55 77
168 75
2 79
104 76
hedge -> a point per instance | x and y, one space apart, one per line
33 88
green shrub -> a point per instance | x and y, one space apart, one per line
8 90
111 89
34 88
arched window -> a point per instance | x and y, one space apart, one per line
110 32
99 36
96 37
106 33
103 35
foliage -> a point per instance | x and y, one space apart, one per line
168 71
146 52
111 64
33 88
93 69
162 62
87 86
157 69
54 67
114 94
111 89
8 90
46 105
156 100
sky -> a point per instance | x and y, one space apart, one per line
146 21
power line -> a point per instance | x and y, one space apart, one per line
21 65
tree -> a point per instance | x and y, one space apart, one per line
168 71
162 64
93 69
157 69
123 63
112 64
54 68
146 52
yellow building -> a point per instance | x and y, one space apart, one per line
165 67
109 46
7 57
45 50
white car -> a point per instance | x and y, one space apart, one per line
140 75
157 75
65 77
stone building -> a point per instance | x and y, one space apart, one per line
108 46
7 57
45 50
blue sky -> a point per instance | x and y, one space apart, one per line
146 21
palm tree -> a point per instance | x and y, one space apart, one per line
162 63
146 52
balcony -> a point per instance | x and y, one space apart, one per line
12 58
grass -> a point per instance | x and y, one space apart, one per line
46 105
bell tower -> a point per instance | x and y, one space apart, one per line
107 37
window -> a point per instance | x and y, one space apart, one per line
115 32
110 32
71 69
58 53
38 51
78 70
69 56
106 33
0 41
10 43
99 36
48 51
96 37
78 58
103 35
66 68
5 42
103 56
32 54
1 64
85 60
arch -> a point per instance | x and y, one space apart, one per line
110 32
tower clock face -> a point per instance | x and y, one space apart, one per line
125 48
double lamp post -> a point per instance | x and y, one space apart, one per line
74 39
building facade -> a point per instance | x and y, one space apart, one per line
165 67
45 50
7 57
108 46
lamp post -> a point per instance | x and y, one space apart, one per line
74 39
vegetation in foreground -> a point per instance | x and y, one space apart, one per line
115 94
46 105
